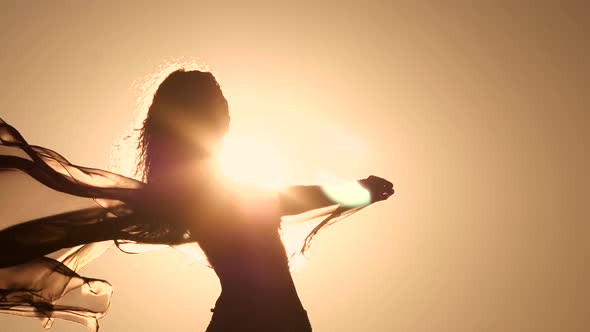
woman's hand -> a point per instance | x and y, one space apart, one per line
379 188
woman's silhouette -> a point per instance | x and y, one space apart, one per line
182 200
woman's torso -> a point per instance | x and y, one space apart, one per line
239 232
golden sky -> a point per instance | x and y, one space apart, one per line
476 110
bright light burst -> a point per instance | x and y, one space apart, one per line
254 161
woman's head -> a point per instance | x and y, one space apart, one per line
186 121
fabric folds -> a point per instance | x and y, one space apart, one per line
46 205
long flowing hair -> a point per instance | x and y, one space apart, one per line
158 116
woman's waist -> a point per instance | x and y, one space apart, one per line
258 294
237 305
269 291
237 315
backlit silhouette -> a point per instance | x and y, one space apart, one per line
182 199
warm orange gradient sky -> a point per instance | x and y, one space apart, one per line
477 112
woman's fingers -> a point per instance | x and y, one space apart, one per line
381 183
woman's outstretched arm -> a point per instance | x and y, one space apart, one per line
299 199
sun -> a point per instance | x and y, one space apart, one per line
253 161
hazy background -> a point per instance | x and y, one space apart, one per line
477 110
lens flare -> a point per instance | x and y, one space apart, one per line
349 194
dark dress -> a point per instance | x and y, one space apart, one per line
248 256
240 236
257 293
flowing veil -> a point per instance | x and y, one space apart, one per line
43 199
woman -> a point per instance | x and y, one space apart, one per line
182 200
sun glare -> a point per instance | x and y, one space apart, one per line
251 160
